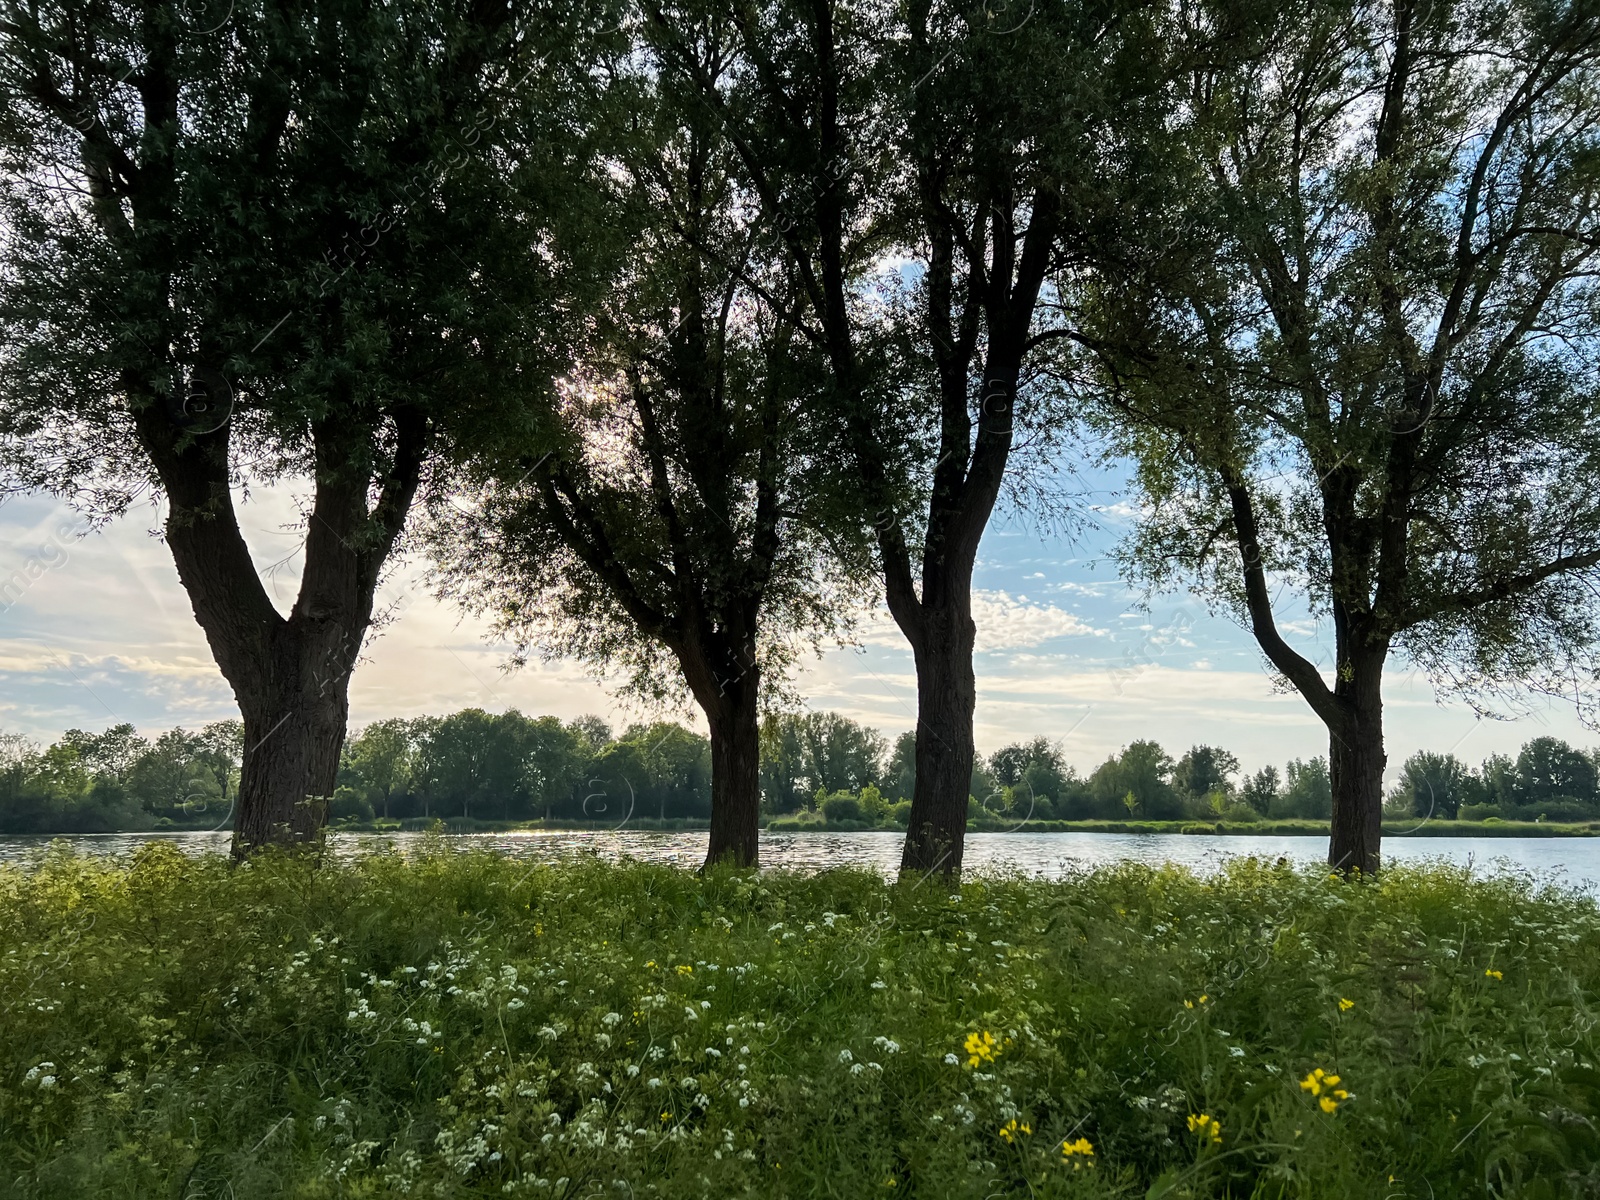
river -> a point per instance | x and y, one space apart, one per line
1569 861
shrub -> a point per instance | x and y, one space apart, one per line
349 805
841 806
900 812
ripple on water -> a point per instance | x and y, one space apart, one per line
1572 861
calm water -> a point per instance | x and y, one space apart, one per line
1571 861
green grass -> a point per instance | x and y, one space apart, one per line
465 1025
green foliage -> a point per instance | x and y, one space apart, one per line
1308 791
1138 779
1204 770
804 752
1261 790
841 807
464 1025
1433 785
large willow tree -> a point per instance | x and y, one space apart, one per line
1357 366
668 512
243 245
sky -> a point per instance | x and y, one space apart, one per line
95 630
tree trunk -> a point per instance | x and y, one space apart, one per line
946 697
291 757
1356 761
736 771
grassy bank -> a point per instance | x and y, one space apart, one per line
463 1025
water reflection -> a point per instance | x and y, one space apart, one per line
1573 861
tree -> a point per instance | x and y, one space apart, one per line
955 143
671 517
110 754
1037 775
176 777
1138 778
1547 770
901 772
1355 353
661 766
253 253
1434 785
841 755
785 785
1204 770
380 757
1307 791
555 757
474 762
1261 790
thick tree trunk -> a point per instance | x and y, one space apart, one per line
291 757
1356 761
736 772
946 697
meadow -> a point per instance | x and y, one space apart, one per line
455 1024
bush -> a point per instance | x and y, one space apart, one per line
463 1025
349 805
841 806
1561 808
900 812
1477 812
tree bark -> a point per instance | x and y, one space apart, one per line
1356 761
946 696
291 758
730 698
736 775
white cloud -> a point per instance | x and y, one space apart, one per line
1004 622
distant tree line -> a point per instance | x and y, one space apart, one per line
816 767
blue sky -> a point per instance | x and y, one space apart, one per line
100 631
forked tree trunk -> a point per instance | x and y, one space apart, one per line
290 675
946 698
1356 761
734 721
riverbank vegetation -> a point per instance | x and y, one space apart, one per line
474 769
466 1025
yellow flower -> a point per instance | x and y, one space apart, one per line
981 1048
685 969
1014 1128
650 964
1317 1080
1077 1153
1192 1003
666 1116
1206 1126
1493 974
1346 1005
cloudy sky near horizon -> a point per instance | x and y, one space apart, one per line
104 633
